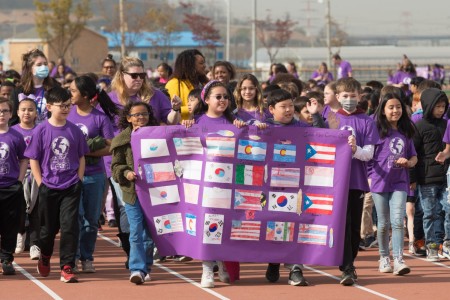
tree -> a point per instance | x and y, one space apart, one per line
59 23
274 35
338 37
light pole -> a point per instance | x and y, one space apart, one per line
328 29
122 29
227 47
254 36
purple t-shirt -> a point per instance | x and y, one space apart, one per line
58 150
26 133
446 138
385 174
205 120
12 147
325 77
250 116
417 116
39 99
344 69
402 77
93 125
363 128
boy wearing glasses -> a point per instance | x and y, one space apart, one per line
58 172
13 165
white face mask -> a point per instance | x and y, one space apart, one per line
349 104
41 72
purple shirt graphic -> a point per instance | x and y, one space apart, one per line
343 69
93 125
386 175
58 150
12 147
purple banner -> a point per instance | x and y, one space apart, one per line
222 193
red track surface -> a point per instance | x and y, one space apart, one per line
426 281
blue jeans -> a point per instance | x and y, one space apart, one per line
141 244
89 212
124 226
391 210
432 198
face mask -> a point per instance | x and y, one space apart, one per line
41 72
349 104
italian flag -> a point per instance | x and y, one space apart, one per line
250 175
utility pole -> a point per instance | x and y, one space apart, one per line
227 49
254 36
328 31
122 30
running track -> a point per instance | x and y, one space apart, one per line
173 280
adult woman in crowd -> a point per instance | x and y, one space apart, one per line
225 72
322 76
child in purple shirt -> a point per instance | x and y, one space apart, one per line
13 165
56 154
248 96
394 153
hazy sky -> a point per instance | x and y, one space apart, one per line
359 17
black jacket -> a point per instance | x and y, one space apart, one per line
428 141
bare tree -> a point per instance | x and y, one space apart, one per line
339 37
59 22
274 35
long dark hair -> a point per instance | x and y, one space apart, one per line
88 88
124 114
404 125
184 68
26 80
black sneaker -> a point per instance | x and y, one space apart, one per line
296 278
8 268
273 272
362 245
348 277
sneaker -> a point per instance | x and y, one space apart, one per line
296 278
67 275
182 258
112 223
43 266
148 277
222 272
370 242
273 272
20 245
420 248
87 266
207 275
8 268
349 277
385 265
75 269
362 245
101 219
444 250
35 252
400 268
137 277
411 249
432 252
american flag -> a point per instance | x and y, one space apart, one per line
188 145
245 230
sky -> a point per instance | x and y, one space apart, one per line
356 17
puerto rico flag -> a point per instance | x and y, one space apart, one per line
245 230
318 204
320 153
251 150
284 152
312 234
247 200
250 175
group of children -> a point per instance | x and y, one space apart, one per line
67 176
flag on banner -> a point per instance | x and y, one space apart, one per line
164 194
281 201
247 200
320 153
191 224
285 177
216 197
284 152
312 234
191 193
280 231
318 204
213 229
218 172
249 175
154 148
245 230
192 169
188 145
220 146
159 172
319 176
251 150
168 223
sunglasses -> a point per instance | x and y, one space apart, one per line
219 97
136 75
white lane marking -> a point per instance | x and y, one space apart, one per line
170 271
37 282
355 285
424 259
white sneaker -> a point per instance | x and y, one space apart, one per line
20 245
223 274
400 268
137 277
385 265
87 266
444 251
207 275
148 277
35 252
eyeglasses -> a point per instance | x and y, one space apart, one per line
219 97
136 75
4 111
63 106
109 67
137 115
